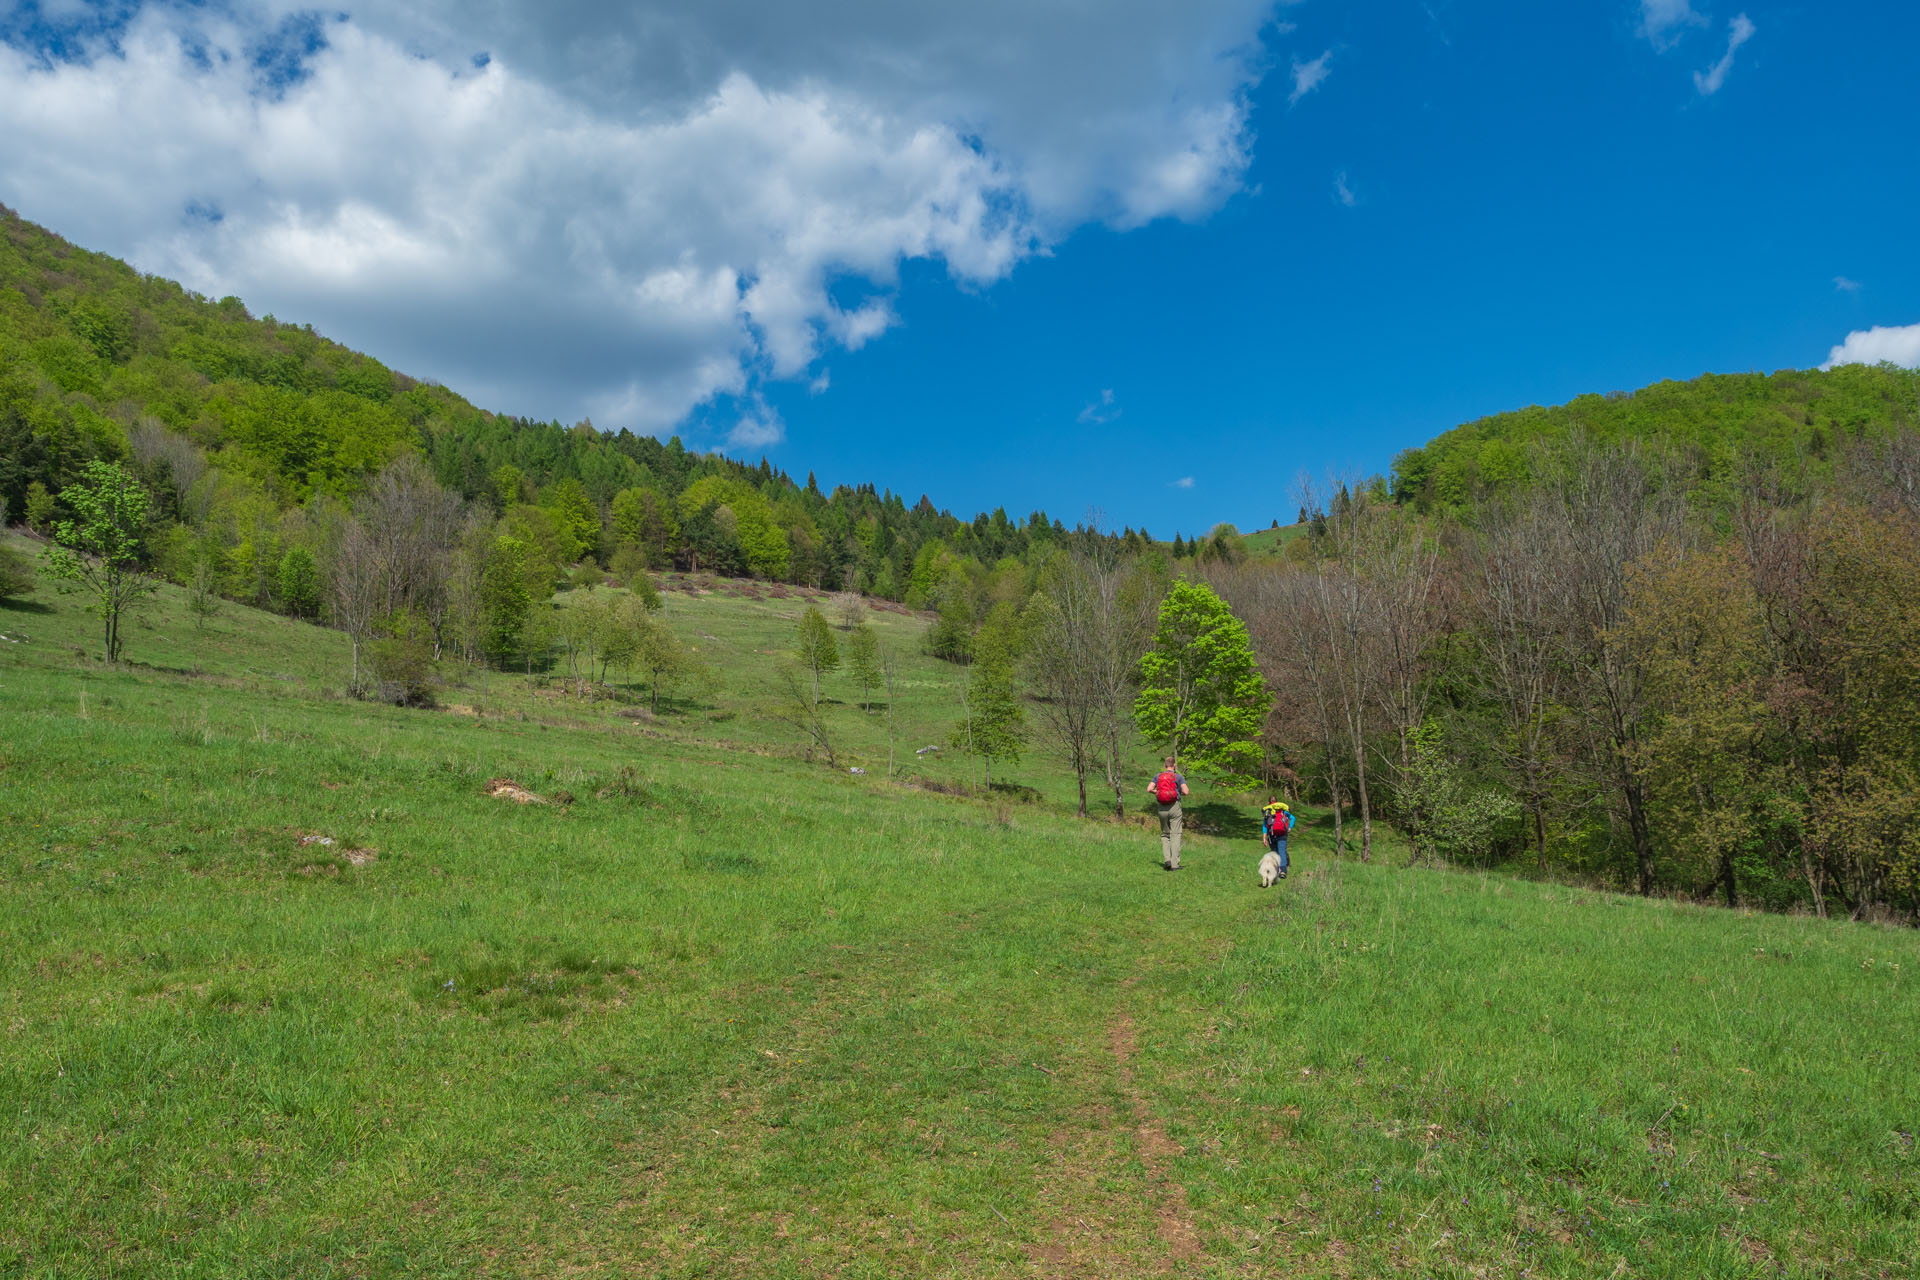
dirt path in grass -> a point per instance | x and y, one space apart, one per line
1107 1219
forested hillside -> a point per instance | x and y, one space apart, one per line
241 426
1665 640
1713 424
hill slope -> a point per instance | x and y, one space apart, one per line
730 1014
1714 420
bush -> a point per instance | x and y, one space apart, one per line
402 662
16 573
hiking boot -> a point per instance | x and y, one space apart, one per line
1283 873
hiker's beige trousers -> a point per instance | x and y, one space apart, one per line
1169 832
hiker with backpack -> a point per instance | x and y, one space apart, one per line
1166 788
1276 824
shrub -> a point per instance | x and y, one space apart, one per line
402 661
16 573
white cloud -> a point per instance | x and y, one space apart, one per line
1892 344
1664 22
1184 482
1845 285
621 213
759 427
1103 410
1708 82
1342 191
820 383
1308 75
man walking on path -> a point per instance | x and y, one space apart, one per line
1166 788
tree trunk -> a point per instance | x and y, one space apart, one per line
1366 808
1642 834
1081 776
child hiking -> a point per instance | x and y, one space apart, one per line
1166 788
1276 824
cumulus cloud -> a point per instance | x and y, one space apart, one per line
1308 75
1342 191
1708 82
1100 411
577 208
1844 285
1889 344
1664 22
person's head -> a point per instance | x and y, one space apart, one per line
1169 762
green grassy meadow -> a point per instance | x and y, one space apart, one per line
731 1013
1272 542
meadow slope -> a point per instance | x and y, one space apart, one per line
718 1011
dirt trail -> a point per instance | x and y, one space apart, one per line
1108 1219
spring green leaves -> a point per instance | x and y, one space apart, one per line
1201 696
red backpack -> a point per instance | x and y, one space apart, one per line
1166 787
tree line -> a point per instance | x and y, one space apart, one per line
1611 673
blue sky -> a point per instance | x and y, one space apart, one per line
1544 206
1155 266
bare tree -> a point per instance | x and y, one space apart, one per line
1515 656
354 588
1282 610
1606 507
1063 657
412 524
159 449
1343 611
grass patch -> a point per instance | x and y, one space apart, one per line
728 1014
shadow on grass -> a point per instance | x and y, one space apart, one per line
24 606
1217 817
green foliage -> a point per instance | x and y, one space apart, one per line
298 583
1200 693
863 661
951 636
995 724
39 508
576 523
1457 818
100 550
16 573
505 601
815 646
1716 422
402 661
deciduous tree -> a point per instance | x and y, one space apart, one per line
99 550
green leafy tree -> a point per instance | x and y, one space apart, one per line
575 519
509 482
40 508
16 573
203 596
299 582
995 725
1200 693
99 552
505 601
863 661
817 651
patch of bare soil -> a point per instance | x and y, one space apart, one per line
508 789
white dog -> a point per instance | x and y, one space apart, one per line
1269 869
